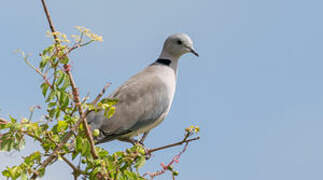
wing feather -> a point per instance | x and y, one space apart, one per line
142 100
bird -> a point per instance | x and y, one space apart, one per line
145 99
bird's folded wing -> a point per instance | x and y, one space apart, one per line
142 100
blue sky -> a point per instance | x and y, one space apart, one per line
256 90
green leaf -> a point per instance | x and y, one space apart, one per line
85 147
79 144
74 155
43 62
51 96
65 102
15 172
64 60
6 173
140 162
24 176
103 153
111 111
51 104
41 171
130 175
44 127
61 126
19 145
13 120
44 88
58 112
94 173
48 50
7 145
51 112
62 96
32 158
66 83
52 59
46 146
60 78
109 101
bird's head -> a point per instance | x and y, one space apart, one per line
177 45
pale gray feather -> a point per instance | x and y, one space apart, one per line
141 101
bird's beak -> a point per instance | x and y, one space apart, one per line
194 52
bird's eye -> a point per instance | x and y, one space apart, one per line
179 42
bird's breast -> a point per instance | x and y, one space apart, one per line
168 77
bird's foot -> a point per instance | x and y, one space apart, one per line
143 138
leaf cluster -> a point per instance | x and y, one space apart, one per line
60 120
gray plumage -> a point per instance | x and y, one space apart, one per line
145 99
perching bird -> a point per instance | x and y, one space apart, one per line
145 99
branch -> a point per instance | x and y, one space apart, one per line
172 145
33 136
51 26
76 171
77 45
77 104
37 70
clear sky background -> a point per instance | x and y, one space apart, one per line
256 90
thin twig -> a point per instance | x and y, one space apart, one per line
166 167
49 20
101 93
76 170
38 71
172 145
33 136
32 109
75 46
